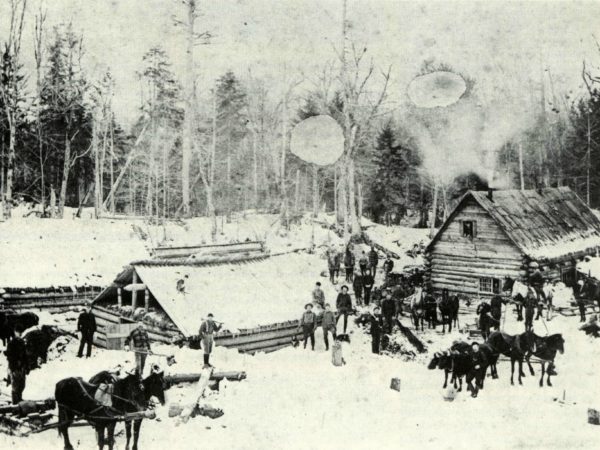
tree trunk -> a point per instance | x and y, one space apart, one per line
283 208
588 160
521 176
65 176
52 202
354 219
10 167
335 196
188 125
255 167
297 193
360 201
97 194
315 190
434 211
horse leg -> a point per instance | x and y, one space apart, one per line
543 372
127 433
548 383
111 435
521 374
64 429
531 371
445 379
460 384
512 370
137 424
100 436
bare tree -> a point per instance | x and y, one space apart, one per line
9 90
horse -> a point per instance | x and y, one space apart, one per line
417 309
518 293
454 307
591 290
459 361
446 311
515 347
430 311
545 349
9 320
76 398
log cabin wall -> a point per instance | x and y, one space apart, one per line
470 265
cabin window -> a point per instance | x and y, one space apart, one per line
469 228
489 285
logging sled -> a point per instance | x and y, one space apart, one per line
26 417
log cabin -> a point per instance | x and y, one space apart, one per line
510 233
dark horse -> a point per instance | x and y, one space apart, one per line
511 346
446 307
591 290
75 398
545 349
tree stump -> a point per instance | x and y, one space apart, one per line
593 416
395 384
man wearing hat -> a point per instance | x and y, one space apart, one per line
388 309
344 306
328 324
141 346
17 363
318 295
207 331
86 325
308 323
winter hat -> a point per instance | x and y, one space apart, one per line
307 305
344 286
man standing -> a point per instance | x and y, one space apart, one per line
363 262
344 306
318 295
376 326
331 262
349 262
308 322
207 331
388 308
141 346
530 304
86 325
17 364
496 305
368 282
485 320
357 285
388 266
373 260
328 324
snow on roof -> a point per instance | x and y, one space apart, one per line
544 224
242 295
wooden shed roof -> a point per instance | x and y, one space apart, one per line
544 224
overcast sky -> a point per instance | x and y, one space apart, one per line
497 43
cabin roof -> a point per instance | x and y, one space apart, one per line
244 293
544 224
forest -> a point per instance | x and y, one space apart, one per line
221 147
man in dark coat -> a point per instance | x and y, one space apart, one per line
376 322
343 305
388 309
373 260
328 324
208 328
496 310
17 364
368 282
86 325
332 262
485 319
388 266
349 262
308 323
530 304
357 285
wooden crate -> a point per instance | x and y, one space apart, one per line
116 335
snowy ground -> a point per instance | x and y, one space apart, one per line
296 398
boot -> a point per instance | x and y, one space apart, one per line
206 363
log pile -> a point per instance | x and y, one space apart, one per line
26 417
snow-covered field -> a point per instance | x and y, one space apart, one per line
296 398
